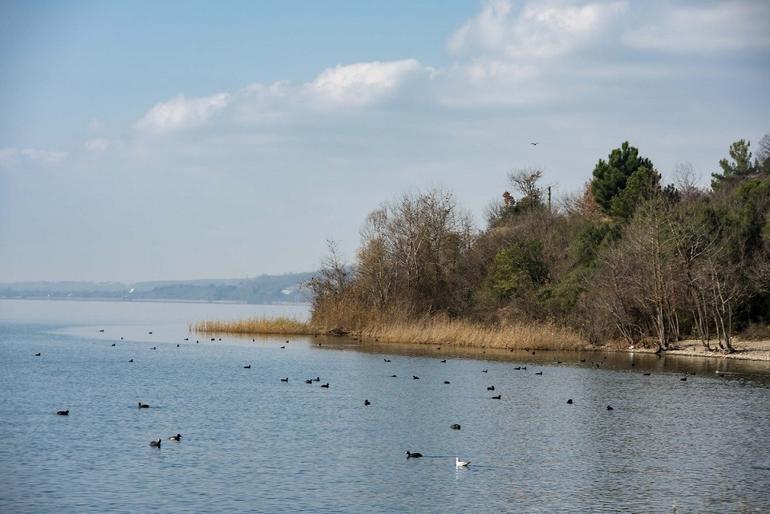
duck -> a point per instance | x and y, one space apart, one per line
569 402
247 366
648 374
485 371
491 388
309 381
446 382
386 360
455 426
461 463
101 330
154 348
144 405
285 379
326 385
113 344
609 407
130 360
683 379
63 412
415 377
443 361
367 403
517 368
317 379
394 376
538 373
177 345
175 438
498 397
415 455
283 347
186 338
150 332
155 444
38 354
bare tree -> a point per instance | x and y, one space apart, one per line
686 180
413 249
526 183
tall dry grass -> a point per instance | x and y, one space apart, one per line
463 333
255 325
439 330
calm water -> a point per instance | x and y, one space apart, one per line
252 443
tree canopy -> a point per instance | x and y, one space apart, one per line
623 180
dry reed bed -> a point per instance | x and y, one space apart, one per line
255 325
541 336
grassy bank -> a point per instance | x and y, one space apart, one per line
441 331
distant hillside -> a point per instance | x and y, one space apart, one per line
265 289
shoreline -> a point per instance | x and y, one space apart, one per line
758 351
746 350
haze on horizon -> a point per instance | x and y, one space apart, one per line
145 141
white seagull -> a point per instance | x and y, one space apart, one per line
461 463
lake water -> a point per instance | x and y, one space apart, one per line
252 443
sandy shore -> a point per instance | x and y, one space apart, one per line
746 350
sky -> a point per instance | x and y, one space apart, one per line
178 140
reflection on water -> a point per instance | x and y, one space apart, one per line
757 371
254 443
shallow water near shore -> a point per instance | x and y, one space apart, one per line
252 443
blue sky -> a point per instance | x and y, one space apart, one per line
153 140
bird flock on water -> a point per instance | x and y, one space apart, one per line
459 463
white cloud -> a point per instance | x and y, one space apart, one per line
538 30
20 155
514 56
509 55
181 112
362 83
722 26
356 85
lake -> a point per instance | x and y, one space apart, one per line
252 443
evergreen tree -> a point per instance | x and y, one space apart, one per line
740 166
620 182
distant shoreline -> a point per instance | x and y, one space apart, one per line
141 300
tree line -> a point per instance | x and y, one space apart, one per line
628 259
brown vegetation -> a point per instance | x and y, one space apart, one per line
255 325
627 262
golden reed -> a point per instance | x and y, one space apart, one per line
428 330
